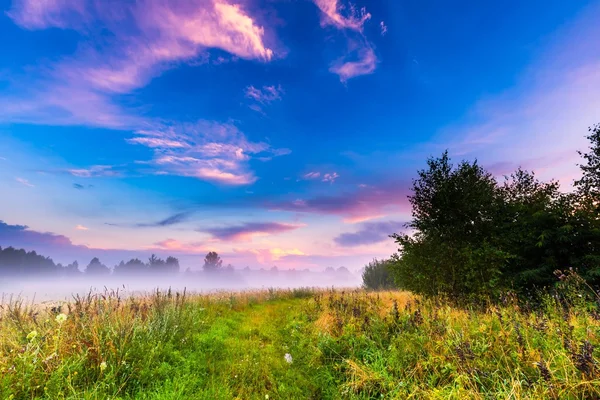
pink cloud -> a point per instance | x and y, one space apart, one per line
177 246
365 63
361 59
40 14
82 228
24 182
332 15
147 37
268 256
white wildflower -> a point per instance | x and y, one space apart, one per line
60 318
103 365
288 358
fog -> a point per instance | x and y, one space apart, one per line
33 289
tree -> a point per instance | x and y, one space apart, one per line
134 266
588 187
156 264
172 264
95 267
212 262
377 275
453 249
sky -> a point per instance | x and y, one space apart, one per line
275 132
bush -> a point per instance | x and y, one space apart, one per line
377 275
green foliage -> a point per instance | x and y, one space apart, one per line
378 276
474 238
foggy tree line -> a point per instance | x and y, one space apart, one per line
475 237
21 263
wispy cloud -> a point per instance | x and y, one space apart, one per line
79 186
544 118
147 37
171 220
330 177
210 151
383 28
325 177
312 175
93 172
82 228
360 58
265 95
342 16
25 182
247 231
369 233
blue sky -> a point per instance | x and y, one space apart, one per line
275 132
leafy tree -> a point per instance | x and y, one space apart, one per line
95 267
453 249
377 275
588 187
212 262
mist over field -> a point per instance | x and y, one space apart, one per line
51 289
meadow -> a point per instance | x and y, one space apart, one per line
299 344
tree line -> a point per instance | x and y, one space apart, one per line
22 263
473 236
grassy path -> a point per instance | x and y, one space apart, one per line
241 355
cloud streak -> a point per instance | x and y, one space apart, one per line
247 231
24 182
357 206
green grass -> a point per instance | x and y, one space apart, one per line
352 344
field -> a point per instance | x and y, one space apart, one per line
297 344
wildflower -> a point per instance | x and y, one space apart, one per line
60 318
103 366
288 358
267 396
32 335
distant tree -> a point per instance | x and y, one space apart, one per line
229 268
18 262
378 276
172 265
71 269
156 264
95 267
212 262
134 266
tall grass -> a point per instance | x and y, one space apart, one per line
300 344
